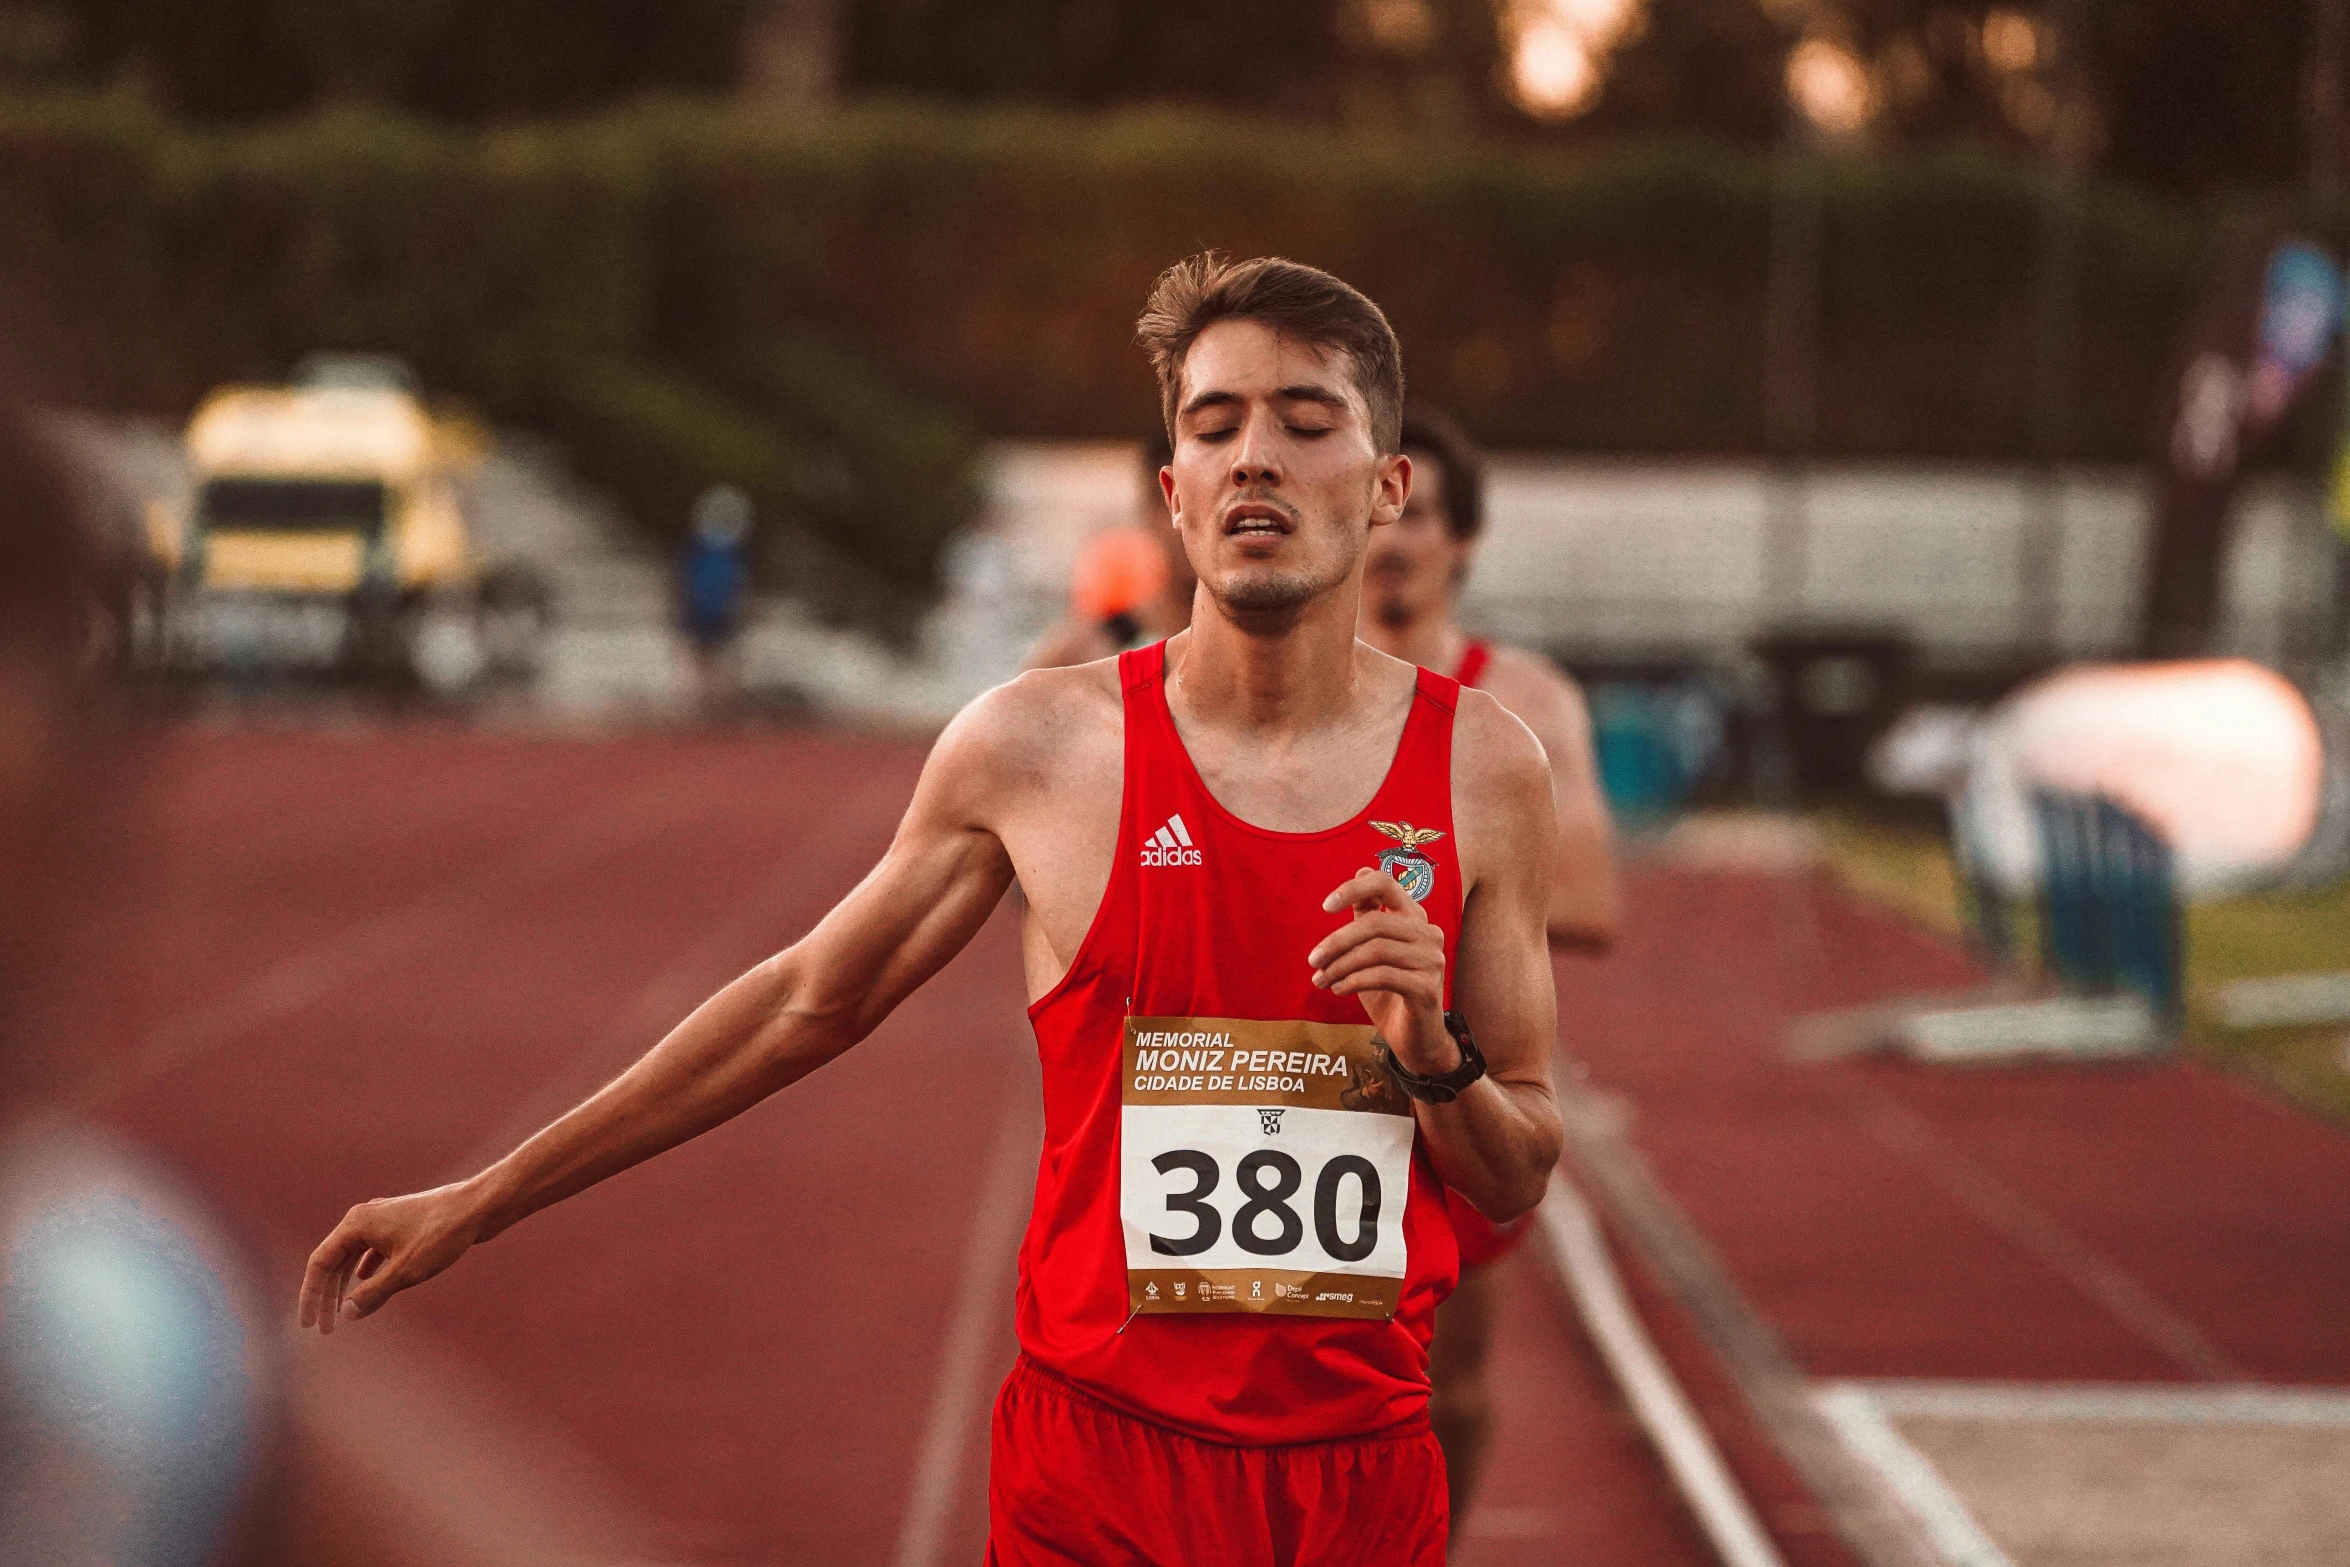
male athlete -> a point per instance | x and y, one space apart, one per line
1285 939
1411 584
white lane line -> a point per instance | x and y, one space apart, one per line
1866 1511
964 1375
1904 1132
1992 1201
1688 1452
2120 1402
1862 1424
354 952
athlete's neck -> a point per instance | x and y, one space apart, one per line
1295 677
1165 615
1432 641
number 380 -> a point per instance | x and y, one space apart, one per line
1270 1179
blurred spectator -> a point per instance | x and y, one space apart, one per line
713 589
1129 585
1413 571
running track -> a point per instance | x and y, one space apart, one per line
346 965
356 963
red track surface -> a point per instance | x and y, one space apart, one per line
358 964
2045 1223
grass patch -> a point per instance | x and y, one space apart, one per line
1910 871
2252 938
1902 868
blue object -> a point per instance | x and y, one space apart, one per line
1653 741
2109 900
712 581
2300 311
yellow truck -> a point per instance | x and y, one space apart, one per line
323 527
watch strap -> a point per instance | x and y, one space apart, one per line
1446 1087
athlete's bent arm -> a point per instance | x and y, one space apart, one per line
1496 1143
944 872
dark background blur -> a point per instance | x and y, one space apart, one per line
2181 96
824 248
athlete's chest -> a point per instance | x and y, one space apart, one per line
1219 828
1298 787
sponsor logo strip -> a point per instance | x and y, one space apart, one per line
1269 1291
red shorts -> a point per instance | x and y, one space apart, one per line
1075 1483
1481 1240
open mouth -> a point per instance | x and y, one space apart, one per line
1257 519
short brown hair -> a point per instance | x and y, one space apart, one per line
1431 430
1287 296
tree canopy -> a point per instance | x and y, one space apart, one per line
2188 96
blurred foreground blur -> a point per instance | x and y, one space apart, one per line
151 1411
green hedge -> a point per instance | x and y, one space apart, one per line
1613 304
826 312
520 273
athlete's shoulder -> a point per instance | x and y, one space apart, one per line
1040 705
1496 756
1032 724
1073 640
1534 688
1501 803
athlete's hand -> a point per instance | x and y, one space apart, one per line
381 1248
1391 957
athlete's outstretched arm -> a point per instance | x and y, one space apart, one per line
1497 1142
944 872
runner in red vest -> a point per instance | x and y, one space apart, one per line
1411 585
1284 934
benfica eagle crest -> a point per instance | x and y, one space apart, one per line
1405 862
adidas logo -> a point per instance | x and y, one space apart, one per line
1170 845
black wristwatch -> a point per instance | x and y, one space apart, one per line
1445 1089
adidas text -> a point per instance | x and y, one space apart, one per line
1170 845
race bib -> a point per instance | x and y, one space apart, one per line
1263 1166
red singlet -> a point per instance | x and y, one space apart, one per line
1208 918
1474 658
1481 1240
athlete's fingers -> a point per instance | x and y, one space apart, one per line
1385 952
1380 925
341 1285
1366 928
321 1285
1396 981
375 1286
1370 887
313 1290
